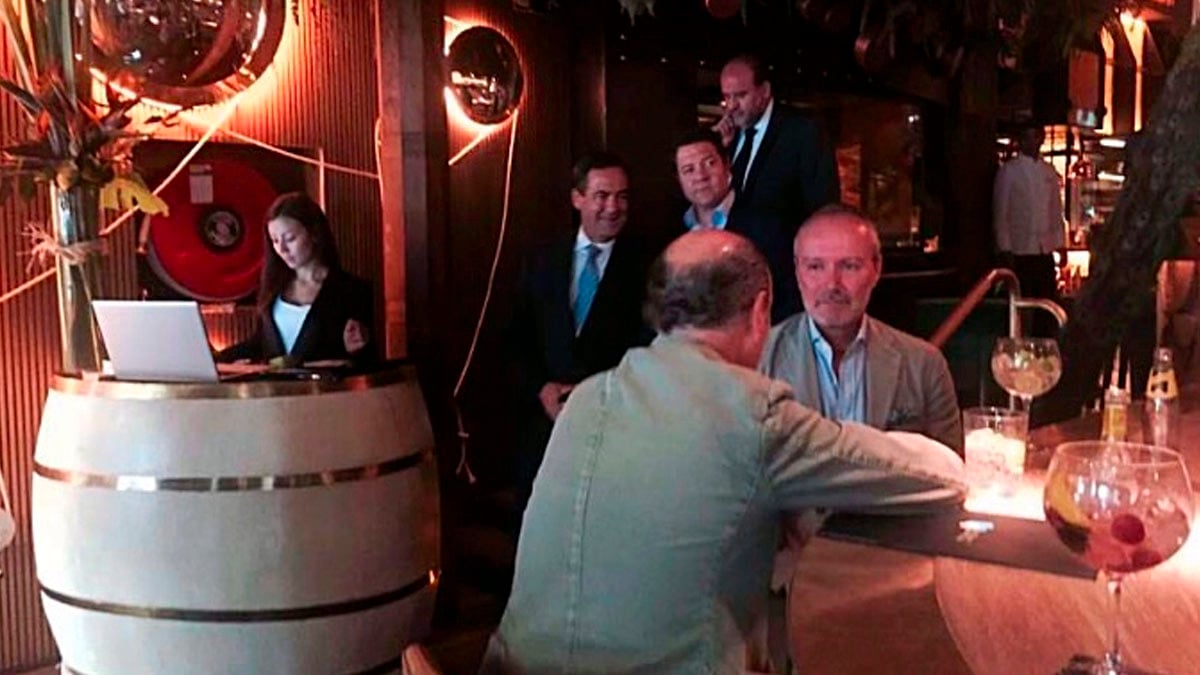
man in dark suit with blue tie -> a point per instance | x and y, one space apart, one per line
781 164
578 307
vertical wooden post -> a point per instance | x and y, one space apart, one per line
412 154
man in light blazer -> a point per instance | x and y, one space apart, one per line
842 362
849 367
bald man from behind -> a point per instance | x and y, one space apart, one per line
648 542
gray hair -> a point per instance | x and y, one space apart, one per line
707 294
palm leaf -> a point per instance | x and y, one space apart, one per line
30 151
28 102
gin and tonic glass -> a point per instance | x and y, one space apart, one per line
1122 508
1026 367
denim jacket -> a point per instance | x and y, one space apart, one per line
647 544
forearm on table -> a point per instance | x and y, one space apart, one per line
816 463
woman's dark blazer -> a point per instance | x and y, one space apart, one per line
342 297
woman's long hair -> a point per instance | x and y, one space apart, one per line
276 275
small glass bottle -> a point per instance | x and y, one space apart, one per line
1160 419
1116 406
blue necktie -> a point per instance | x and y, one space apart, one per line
589 281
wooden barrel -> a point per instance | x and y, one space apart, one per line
265 527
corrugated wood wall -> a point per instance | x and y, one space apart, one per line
320 93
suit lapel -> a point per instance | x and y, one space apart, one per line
883 374
274 342
764 150
809 391
558 285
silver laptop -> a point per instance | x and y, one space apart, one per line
155 340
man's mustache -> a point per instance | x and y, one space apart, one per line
835 297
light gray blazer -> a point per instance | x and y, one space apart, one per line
648 542
909 387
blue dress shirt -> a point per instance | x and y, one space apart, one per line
844 392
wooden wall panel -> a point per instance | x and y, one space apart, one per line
320 94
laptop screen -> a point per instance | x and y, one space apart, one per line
155 340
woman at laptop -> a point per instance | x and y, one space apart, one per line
309 308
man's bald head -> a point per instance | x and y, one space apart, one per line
841 216
705 279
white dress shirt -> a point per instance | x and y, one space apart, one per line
581 256
760 130
1027 207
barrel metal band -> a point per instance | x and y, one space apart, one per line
389 666
127 483
246 615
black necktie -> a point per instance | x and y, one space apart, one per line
743 159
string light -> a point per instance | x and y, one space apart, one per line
290 155
458 118
463 464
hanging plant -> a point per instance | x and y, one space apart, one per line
80 147
72 139
75 143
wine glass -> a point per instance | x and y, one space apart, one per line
1026 367
1121 507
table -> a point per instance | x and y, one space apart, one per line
859 609
1005 620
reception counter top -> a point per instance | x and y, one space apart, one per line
265 385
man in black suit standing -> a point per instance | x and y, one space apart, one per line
706 180
781 164
578 307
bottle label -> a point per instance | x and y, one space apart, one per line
1162 385
1114 427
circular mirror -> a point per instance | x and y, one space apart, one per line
485 75
186 52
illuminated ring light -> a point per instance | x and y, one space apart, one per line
210 247
188 58
484 75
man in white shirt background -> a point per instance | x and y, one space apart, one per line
1028 216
